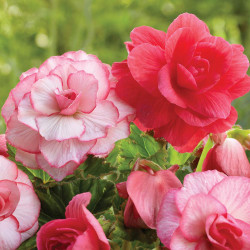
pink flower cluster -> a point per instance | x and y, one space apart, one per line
210 211
80 229
63 111
19 206
182 82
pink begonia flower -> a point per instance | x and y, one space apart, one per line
63 111
19 206
80 230
182 82
3 146
145 191
210 211
228 157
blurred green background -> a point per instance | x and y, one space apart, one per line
33 30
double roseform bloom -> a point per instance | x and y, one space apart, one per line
180 84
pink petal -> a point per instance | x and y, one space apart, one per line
21 136
8 108
28 73
51 64
185 78
122 189
23 178
132 219
10 238
8 169
63 71
168 89
120 69
196 183
3 146
171 131
23 87
154 112
187 20
79 55
59 153
237 71
43 94
97 122
77 209
74 208
192 118
222 125
179 242
28 234
146 34
147 191
26 113
28 208
240 88
234 193
180 47
145 61
194 215
105 145
27 159
123 108
228 157
60 127
100 72
168 218
57 173
211 104
88 86
88 240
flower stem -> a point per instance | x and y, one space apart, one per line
207 147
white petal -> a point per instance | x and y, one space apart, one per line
106 144
43 94
59 127
26 113
96 123
58 153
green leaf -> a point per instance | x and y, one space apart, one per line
55 196
137 145
174 157
29 244
94 166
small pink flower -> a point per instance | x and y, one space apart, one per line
229 157
80 229
210 211
182 82
145 190
19 206
3 146
63 111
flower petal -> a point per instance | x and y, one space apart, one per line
196 183
59 127
43 94
145 61
96 123
21 136
168 218
28 208
234 193
146 34
88 86
27 159
147 191
60 153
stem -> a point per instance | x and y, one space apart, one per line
126 245
207 147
